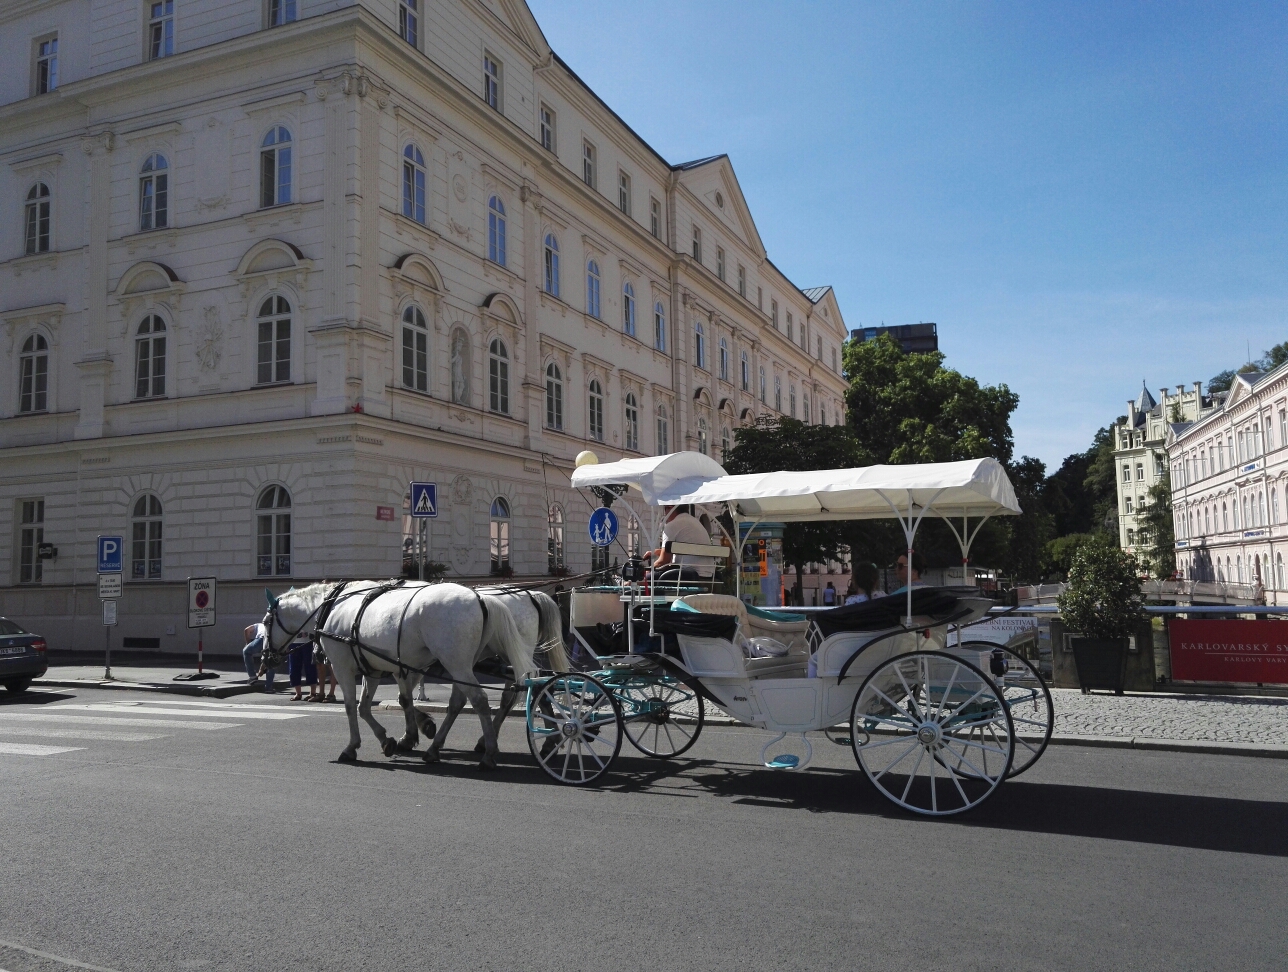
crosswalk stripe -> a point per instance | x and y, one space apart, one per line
100 734
115 720
235 706
31 749
161 710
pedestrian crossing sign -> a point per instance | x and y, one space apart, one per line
424 499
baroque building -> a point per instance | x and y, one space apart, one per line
1229 480
265 262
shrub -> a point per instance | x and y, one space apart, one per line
1103 599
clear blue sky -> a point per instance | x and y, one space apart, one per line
1082 195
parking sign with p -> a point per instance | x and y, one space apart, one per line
109 555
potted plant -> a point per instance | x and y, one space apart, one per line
1103 604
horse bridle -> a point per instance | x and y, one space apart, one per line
273 616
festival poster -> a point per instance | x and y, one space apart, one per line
1229 651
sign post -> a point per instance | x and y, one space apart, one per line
110 567
201 615
424 506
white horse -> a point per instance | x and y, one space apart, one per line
401 632
537 617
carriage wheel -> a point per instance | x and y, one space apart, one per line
1028 698
916 728
650 724
574 728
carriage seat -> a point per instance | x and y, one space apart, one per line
791 665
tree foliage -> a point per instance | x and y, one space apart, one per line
1270 359
1158 530
1103 599
1060 551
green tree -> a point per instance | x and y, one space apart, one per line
1103 598
1060 551
1023 556
785 443
1158 531
1101 484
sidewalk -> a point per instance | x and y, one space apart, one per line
1214 724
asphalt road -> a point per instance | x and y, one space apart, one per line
160 843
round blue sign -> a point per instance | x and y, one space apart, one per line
603 527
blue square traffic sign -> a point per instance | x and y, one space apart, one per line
424 499
109 555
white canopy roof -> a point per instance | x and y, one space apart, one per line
974 487
653 475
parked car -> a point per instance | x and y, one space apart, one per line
22 656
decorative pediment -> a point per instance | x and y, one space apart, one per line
552 348
21 319
499 308
415 275
146 286
272 262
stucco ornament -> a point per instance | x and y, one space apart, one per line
210 340
460 368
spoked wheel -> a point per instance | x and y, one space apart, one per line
932 733
574 728
649 717
1028 698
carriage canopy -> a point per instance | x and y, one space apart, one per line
653 475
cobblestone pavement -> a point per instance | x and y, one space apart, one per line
1190 718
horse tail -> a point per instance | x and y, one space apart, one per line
550 634
500 631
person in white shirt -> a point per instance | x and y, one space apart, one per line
681 526
256 635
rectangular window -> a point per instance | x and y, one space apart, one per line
31 534
773 313
720 262
588 164
655 222
280 12
491 81
409 21
547 128
160 29
1140 470
33 383
415 358
624 192
154 201
742 281
697 244
46 66
760 298
791 335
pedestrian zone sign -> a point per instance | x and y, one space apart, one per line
109 555
424 499
201 602
603 527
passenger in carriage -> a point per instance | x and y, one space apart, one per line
901 572
863 583
681 526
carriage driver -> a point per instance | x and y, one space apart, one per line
681 526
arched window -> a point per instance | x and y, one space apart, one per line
498 372
596 405
778 393
724 360
633 537
699 345
1238 566
592 289
1279 571
704 444
273 532
413 184
555 540
1225 517
496 230
632 423
499 535
149 358
659 326
554 397
628 310
145 547
663 434
154 195
275 168
725 441
1261 509
273 354
33 374
36 218
415 350
745 371
552 265
762 385
1274 505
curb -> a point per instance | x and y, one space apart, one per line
201 690
1266 751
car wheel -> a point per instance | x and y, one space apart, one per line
18 685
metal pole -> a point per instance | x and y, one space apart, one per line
201 641
107 642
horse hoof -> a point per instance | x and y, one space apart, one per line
348 757
430 756
487 765
406 745
388 746
429 728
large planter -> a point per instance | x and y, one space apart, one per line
1101 663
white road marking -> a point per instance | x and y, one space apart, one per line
102 734
116 720
162 710
31 749
235 706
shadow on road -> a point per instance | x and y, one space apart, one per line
34 697
1171 819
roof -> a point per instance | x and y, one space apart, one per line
815 294
1145 401
652 475
697 163
972 487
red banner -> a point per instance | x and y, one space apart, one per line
1229 651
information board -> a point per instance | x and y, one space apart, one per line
1229 651
201 602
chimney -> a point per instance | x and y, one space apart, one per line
1198 391
1162 396
1131 413
1180 390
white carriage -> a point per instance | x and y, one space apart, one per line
932 725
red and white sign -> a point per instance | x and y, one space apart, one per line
385 513
1229 651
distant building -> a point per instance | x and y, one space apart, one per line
911 337
1140 454
1229 479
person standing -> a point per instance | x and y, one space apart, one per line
324 670
829 595
301 670
252 656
